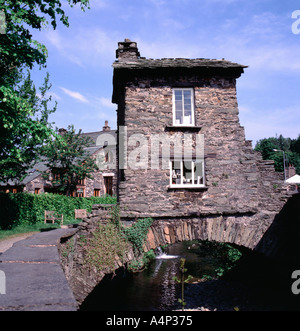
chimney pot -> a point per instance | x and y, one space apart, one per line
127 49
106 126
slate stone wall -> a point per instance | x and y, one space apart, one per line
238 181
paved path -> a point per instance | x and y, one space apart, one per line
34 279
7 243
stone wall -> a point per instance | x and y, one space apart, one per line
83 278
237 179
243 231
37 183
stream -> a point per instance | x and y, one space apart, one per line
151 290
246 287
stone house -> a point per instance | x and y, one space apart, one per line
103 182
188 103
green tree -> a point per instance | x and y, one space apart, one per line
17 48
266 147
272 148
284 143
69 160
295 145
24 116
24 126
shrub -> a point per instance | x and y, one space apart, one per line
137 233
26 208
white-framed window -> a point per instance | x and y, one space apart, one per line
184 174
183 107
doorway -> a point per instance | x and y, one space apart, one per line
108 185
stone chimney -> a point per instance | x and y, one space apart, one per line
127 49
106 126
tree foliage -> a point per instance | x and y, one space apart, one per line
68 160
24 126
291 148
17 48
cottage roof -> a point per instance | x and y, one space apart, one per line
130 64
143 63
128 57
32 174
95 135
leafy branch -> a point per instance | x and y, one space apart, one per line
182 281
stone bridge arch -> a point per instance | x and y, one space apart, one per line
274 234
239 230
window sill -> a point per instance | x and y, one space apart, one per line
183 128
186 187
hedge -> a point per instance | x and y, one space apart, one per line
26 208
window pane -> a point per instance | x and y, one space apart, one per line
176 172
178 105
178 117
187 94
187 107
178 95
198 170
187 173
187 119
188 104
183 106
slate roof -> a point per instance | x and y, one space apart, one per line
95 136
33 173
143 63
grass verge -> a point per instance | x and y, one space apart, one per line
28 228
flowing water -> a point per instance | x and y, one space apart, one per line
249 286
151 290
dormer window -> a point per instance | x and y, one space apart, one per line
183 107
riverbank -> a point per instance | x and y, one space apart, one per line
239 295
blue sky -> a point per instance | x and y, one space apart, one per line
257 33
